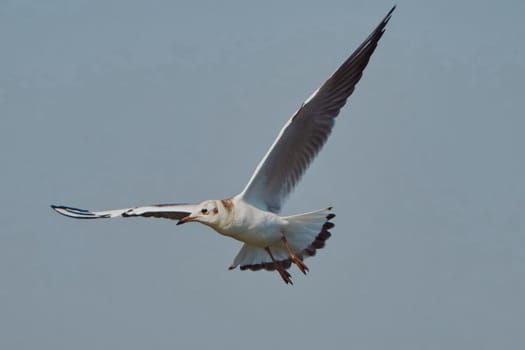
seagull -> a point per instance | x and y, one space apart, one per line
270 241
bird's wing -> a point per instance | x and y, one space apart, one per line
167 211
307 130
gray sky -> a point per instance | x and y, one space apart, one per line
109 104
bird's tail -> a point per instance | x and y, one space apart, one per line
308 232
305 233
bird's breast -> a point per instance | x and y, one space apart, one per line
253 226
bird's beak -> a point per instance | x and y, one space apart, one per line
186 219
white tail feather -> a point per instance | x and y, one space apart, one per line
303 230
305 233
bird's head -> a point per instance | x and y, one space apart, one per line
206 213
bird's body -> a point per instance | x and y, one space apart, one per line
248 224
271 241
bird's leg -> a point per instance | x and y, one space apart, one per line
285 275
296 259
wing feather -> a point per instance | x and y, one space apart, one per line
306 132
166 211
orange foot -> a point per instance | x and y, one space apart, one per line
297 260
285 275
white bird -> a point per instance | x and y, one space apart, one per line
272 242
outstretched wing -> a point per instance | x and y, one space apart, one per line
166 211
307 130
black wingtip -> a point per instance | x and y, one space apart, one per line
385 20
55 207
76 212
391 11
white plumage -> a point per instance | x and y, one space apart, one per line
272 242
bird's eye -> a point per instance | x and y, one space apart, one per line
204 211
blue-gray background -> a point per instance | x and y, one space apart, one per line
109 104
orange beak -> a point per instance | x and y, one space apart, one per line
186 219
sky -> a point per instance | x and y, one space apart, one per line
111 104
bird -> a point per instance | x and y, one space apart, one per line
270 241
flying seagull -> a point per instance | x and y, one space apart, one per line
272 242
